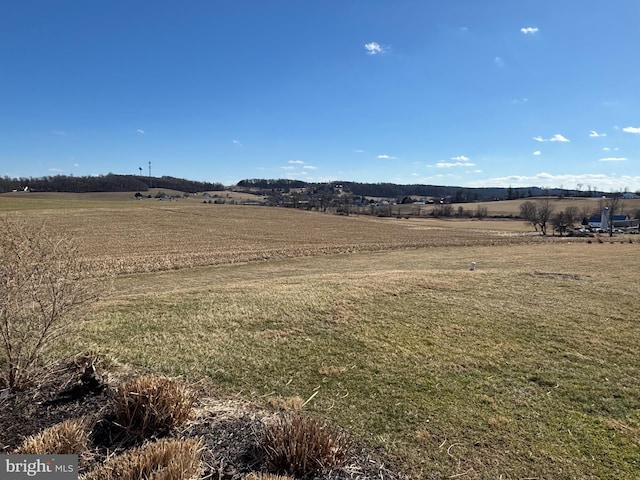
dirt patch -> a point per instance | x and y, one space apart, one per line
559 276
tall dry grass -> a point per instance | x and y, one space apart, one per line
65 438
152 405
166 459
299 444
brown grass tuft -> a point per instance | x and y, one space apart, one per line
266 476
289 403
331 370
65 438
162 460
299 444
152 405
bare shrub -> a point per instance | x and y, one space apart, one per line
152 405
65 438
166 459
44 288
299 444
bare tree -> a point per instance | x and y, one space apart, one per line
42 282
529 213
573 214
537 213
564 220
545 210
614 204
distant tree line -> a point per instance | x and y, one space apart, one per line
452 194
103 183
272 184
126 183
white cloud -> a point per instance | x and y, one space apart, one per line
631 129
460 158
597 181
384 156
613 159
556 138
537 153
288 168
358 151
499 61
236 142
140 131
57 170
595 134
310 167
374 48
529 30
298 162
609 149
454 164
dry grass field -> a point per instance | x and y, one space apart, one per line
585 206
123 235
526 367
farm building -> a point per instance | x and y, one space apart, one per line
619 221
630 196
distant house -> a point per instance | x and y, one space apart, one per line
619 221
629 195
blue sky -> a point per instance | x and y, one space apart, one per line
460 92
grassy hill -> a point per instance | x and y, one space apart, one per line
523 368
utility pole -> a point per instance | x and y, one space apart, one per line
149 173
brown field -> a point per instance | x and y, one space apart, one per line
586 206
524 368
143 236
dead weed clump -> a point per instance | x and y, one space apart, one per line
288 403
165 459
298 444
65 438
152 405
266 476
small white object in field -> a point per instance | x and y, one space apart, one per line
472 266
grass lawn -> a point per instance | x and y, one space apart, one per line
525 368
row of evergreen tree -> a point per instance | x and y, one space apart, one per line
104 183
